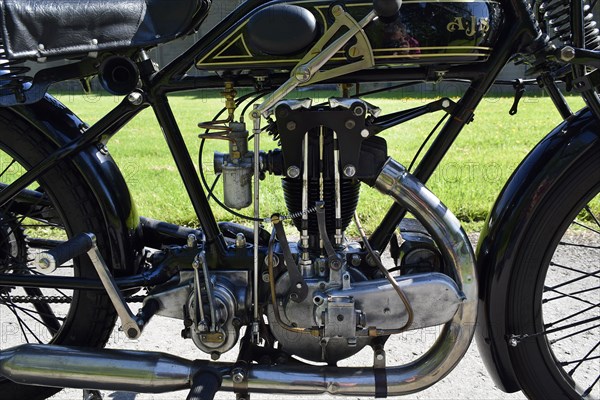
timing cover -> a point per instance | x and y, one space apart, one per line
434 299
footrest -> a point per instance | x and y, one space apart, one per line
49 261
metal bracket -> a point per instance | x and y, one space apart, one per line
587 82
307 71
298 288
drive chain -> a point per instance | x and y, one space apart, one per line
61 299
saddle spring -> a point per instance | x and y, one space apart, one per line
12 75
557 14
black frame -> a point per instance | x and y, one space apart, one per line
519 30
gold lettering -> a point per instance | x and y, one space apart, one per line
485 25
457 24
471 27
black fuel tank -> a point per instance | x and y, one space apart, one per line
426 32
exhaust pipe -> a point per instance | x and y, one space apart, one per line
151 372
123 370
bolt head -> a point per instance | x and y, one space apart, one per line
291 126
350 124
192 240
337 10
349 170
567 53
379 356
364 133
302 74
44 263
293 172
358 111
240 240
238 378
335 264
265 277
135 98
132 333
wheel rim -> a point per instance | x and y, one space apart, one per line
570 303
29 224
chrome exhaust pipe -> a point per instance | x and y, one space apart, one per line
126 370
151 372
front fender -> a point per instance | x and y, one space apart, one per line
60 125
523 193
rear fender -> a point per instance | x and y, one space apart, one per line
504 229
103 177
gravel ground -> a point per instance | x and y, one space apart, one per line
469 380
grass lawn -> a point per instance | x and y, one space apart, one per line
468 181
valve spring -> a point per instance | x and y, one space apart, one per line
557 14
12 74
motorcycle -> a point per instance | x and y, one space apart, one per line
75 253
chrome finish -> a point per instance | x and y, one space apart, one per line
229 301
257 262
126 370
209 292
44 263
240 240
304 233
154 372
338 192
198 314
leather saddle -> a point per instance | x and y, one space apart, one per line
51 29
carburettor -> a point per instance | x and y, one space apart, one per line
236 168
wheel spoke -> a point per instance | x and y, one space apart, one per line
585 275
7 168
574 324
564 363
585 358
45 311
584 246
572 315
553 264
574 334
22 323
589 390
32 313
589 210
586 227
569 295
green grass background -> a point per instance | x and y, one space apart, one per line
468 180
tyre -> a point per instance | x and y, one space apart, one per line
55 207
554 302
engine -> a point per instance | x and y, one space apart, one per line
325 300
